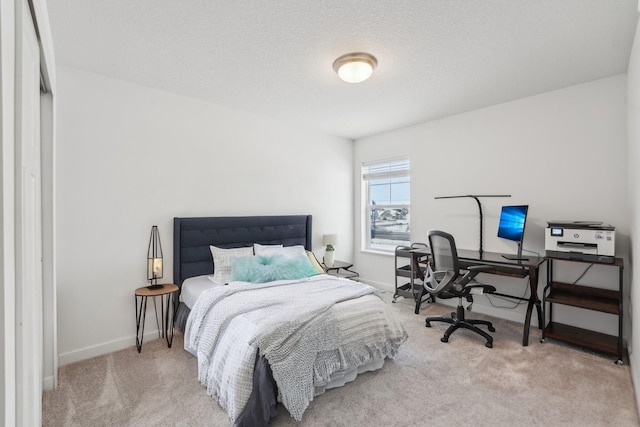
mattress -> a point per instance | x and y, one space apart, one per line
194 286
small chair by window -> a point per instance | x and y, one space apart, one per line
444 280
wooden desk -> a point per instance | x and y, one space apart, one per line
505 267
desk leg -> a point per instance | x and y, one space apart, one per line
534 276
141 311
533 300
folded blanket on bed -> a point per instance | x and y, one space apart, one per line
300 329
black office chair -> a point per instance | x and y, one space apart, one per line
444 280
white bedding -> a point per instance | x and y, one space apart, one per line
194 286
324 336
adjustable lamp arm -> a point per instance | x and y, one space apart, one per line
477 199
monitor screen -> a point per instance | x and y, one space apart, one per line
512 221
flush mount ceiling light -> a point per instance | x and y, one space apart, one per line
355 67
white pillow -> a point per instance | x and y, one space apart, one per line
286 252
258 248
223 260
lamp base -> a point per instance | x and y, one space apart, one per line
154 287
329 258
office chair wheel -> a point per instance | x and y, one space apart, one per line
427 323
444 339
489 344
491 329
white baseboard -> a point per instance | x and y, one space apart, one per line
515 315
506 314
635 381
379 285
104 348
48 383
122 343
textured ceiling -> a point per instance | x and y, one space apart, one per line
274 58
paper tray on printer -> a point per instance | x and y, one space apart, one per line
581 224
580 257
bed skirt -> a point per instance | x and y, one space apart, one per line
181 316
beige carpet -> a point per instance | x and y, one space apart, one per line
429 384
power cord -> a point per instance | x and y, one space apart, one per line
504 298
583 273
517 302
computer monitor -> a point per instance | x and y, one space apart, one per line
511 226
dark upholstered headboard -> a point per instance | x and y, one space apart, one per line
193 236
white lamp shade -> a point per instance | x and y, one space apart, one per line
154 268
330 239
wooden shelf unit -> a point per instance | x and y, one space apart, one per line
582 337
588 298
584 297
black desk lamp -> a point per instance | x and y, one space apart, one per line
154 259
477 199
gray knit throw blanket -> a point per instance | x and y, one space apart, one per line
300 329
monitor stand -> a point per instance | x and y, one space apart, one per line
517 257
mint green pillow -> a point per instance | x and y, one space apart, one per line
261 269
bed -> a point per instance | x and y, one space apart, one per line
285 340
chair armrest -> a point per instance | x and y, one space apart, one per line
472 272
437 281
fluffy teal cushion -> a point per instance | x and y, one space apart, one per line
260 269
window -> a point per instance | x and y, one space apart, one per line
387 195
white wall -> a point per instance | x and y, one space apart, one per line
563 153
633 111
129 157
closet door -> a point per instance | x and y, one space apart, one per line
29 329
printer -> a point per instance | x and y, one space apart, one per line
580 240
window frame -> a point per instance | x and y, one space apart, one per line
398 167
